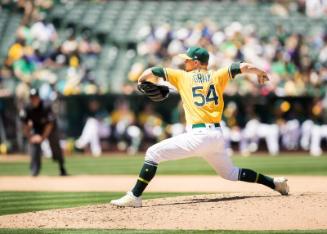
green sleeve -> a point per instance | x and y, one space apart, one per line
159 71
235 69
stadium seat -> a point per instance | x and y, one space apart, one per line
118 22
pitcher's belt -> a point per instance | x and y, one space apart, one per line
203 125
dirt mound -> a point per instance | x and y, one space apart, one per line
122 183
239 211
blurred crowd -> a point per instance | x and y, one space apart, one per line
281 125
245 129
38 58
123 129
62 64
297 64
311 8
30 9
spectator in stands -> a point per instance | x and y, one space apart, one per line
57 58
316 8
43 32
24 33
25 66
74 59
280 8
70 45
88 46
285 55
33 8
15 52
89 81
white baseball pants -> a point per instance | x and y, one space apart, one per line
205 142
306 130
254 130
91 135
290 133
318 133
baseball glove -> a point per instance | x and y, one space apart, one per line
153 91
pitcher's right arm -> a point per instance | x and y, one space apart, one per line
250 68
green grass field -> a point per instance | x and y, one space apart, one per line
20 202
130 165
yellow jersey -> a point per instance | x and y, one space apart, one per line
201 92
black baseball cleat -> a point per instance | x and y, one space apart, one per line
63 172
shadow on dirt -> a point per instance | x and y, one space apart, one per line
208 200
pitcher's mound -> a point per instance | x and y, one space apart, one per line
239 211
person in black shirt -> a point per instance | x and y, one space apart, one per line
39 123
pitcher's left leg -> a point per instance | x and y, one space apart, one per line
223 165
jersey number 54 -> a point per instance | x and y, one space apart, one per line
200 99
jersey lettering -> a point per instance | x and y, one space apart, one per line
212 95
201 78
201 100
201 92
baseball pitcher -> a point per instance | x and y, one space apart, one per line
201 92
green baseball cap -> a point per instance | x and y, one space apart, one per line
196 53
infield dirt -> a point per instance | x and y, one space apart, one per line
234 205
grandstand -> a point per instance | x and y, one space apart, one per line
117 25
9 23
122 20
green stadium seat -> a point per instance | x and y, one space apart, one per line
119 22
